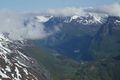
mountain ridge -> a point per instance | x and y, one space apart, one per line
14 65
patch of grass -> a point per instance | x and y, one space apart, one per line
60 69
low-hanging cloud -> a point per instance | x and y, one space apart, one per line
113 10
68 11
12 23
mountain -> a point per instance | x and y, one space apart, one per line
88 46
78 35
15 65
74 32
106 40
79 48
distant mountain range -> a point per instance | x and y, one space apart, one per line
79 36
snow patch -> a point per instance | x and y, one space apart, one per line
74 17
23 55
18 74
8 69
25 70
3 75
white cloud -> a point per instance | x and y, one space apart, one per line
12 23
68 11
113 9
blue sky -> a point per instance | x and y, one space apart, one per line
37 5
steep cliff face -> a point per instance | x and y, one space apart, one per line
14 65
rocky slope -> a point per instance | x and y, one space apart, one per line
15 65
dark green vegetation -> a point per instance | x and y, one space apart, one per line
60 67
63 68
99 70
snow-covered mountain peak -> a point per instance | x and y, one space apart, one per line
87 19
74 17
96 18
